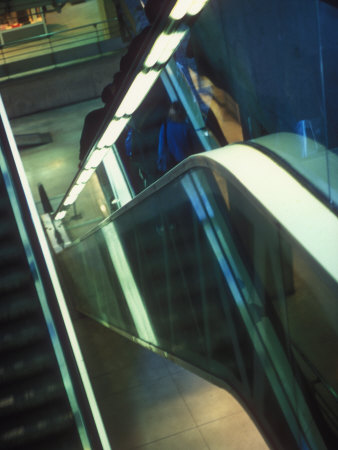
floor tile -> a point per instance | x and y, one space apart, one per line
143 370
106 352
144 414
55 164
205 401
188 440
236 432
174 368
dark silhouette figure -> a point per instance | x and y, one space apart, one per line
153 10
93 122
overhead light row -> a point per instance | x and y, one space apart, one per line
160 53
186 7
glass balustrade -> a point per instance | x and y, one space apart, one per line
200 270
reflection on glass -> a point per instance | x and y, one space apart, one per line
313 161
248 94
117 180
202 270
126 279
91 206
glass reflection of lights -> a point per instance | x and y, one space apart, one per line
103 208
117 181
256 171
201 211
128 285
203 195
262 333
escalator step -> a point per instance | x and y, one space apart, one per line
26 434
6 229
3 200
34 408
36 393
25 364
21 335
9 253
17 305
13 280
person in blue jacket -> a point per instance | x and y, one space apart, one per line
177 139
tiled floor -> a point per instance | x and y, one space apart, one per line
146 401
149 402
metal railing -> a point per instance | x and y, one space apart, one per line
59 47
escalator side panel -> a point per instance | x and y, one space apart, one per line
34 405
45 392
207 277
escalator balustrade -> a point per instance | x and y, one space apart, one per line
199 269
34 408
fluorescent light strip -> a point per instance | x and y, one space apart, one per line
183 7
163 48
112 133
136 93
180 9
60 215
95 159
156 50
262 331
310 222
196 6
171 47
85 175
73 194
161 51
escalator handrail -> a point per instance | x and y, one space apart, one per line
234 161
295 173
226 161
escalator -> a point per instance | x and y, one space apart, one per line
44 400
33 405
209 268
